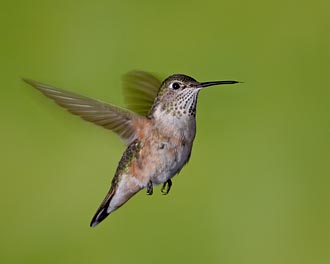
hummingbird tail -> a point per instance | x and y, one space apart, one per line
102 212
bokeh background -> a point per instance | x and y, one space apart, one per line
256 189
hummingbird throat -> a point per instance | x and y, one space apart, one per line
183 105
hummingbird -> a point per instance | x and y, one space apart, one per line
158 127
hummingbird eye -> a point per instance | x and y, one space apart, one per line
175 85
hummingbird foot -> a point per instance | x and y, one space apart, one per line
150 188
166 187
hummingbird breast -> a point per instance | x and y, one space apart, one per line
166 148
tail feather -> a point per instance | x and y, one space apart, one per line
102 213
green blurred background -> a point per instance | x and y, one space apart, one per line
256 188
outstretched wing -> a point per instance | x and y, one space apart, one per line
103 114
140 90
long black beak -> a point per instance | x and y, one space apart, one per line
206 84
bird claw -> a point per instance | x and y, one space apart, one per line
150 188
166 187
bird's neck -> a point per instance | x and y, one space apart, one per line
172 120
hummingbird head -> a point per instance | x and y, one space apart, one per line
178 94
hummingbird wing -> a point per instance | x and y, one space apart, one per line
140 90
106 115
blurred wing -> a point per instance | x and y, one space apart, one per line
140 90
106 115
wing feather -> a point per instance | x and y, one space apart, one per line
140 90
103 114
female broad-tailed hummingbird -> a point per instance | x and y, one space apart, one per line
159 130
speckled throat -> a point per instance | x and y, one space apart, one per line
183 104
186 102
